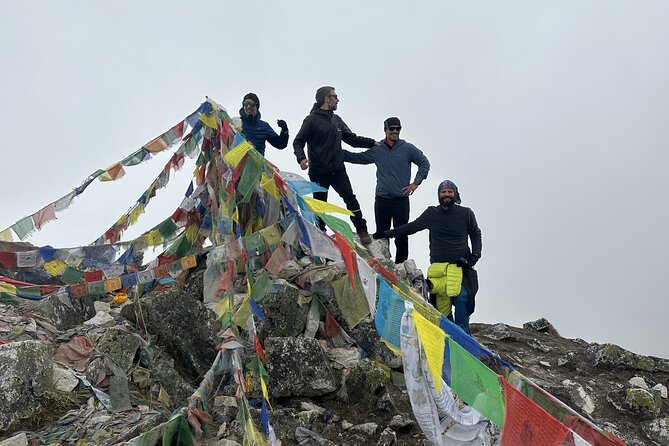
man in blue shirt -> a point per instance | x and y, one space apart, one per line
393 158
257 131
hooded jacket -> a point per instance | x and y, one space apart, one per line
257 132
393 166
322 132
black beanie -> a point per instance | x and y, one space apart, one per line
391 121
253 97
321 93
448 184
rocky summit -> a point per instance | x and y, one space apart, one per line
95 372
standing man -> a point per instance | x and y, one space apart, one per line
393 158
323 131
257 131
451 226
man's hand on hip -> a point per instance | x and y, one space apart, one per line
409 189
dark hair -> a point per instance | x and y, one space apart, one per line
321 93
253 97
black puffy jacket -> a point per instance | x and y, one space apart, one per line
323 131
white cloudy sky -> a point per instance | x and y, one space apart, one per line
550 117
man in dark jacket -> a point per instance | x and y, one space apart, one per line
393 158
257 131
451 226
322 132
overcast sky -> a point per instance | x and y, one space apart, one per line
549 116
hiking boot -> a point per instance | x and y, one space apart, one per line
365 239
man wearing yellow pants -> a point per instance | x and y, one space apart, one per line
452 279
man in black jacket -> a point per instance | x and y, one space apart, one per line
451 228
322 132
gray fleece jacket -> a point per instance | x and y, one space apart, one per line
393 166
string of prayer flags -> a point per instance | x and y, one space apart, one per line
433 339
526 423
388 317
319 206
476 384
113 173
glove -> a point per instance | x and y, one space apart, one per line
467 261
282 125
379 235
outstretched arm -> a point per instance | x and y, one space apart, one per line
410 228
366 157
354 140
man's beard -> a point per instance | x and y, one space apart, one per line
446 201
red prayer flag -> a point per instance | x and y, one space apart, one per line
348 255
79 291
93 276
8 259
376 266
161 271
258 348
527 424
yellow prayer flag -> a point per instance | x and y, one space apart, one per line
271 235
252 437
113 284
55 267
432 338
112 173
242 315
135 212
265 393
323 206
222 307
191 233
209 120
269 185
153 237
188 262
234 156
235 216
6 235
7 288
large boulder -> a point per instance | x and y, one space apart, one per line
298 367
27 375
65 313
283 316
611 355
184 327
120 346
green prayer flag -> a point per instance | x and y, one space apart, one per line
175 267
167 228
352 302
338 225
29 290
258 369
260 287
24 227
476 384
135 158
96 288
72 276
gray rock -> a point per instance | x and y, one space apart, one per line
226 442
579 396
63 379
566 360
306 437
498 332
346 425
164 375
661 389
365 380
385 403
65 315
367 337
535 343
387 438
17 440
298 367
541 325
657 430
368 429
27 375
638 402
343 357
401 423
100 319
307 417
195 284
305 405
283 316
185 328
639 382
611 355
120 345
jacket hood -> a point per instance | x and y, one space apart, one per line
317 109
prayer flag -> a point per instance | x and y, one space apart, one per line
388 317
234 156
432 338
348 255
323 206
96 288
55 267
79 291
6 235
72 275
129 280
113 284
156 145
24 227
92 276
113 173
44 216
26 259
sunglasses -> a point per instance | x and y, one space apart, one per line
249 104
333 96
394 128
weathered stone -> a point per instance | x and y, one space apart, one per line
367 337
306 405
195 284
17 440
535 343
226 442
65 315
63 379
368 429
120 345
401 423
101 307
498 332
307 417
165 376
306 437
661 389
27 374
385 403
298 367
343 357
346 425
223 400
567 360
611 355
639 402
657 430
185 328
639 382
365 380
283 316
579 396
387 438
541 325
